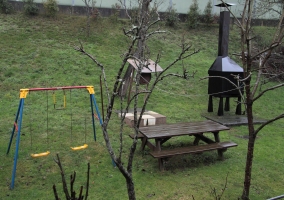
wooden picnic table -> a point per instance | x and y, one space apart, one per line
164 132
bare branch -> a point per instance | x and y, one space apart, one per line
154 22
121 126
206 77
214 191
55 192
272 46
63 177
154 33
126 10
181 57
268 122
81 49
257 78
132 33
237 87
268 89
237 20
80 194
184 76
72 180
88 182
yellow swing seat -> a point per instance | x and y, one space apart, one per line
79 148
40 154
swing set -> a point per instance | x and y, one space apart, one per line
19 116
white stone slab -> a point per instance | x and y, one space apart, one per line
126 115
151 112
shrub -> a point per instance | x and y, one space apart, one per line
193 15
30 8
95 14
216 18
172 17
153 12
5 7
208 16
135 14
115 10
50 7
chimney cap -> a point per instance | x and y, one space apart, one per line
225 4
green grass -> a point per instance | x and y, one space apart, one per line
38 52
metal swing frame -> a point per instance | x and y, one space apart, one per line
19 117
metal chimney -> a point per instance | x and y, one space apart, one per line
223 66
224 28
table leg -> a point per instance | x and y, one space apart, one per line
196 140
144 142
199 137
217 139
158 148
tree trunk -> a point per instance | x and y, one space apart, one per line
248 170
130 188
141 45
251 141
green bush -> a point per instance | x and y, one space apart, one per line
153 12
208 16
5 7
115 11
50 7
30 8
135 15
95 14
172 17
193 15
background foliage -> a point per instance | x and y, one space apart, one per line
30 8
50 7
193 15
5 7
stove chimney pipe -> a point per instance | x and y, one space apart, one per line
224 28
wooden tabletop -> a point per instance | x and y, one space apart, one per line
188 128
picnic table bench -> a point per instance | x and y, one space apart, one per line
163 133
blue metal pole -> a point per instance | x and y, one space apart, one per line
17 143
14 127
93 119
100 119
97 109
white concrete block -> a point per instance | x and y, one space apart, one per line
148 119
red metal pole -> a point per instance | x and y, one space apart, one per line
57 88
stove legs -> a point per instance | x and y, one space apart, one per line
227 105
220 109
210 104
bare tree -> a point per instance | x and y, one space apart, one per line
138 34
252 92
89 6
271 7
72 194
214 191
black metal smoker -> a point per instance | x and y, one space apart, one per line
225 67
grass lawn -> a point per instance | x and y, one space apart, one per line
39 52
